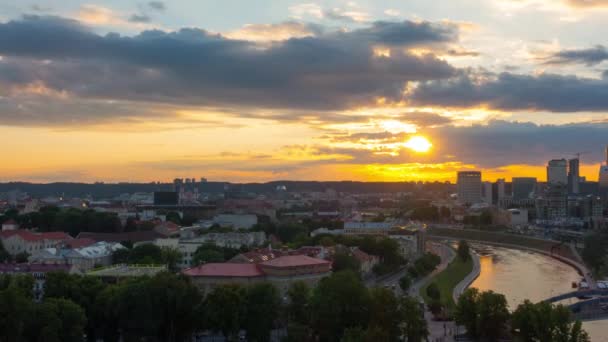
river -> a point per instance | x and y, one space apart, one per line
521 275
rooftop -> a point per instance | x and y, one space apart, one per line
224 270
123 270
294 261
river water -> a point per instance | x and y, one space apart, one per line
521 275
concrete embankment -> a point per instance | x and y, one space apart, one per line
469 279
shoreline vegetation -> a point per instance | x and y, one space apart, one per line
447 280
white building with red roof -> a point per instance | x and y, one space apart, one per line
19 241
281 272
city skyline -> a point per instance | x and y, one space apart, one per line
336 90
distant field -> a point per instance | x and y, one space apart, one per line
456 271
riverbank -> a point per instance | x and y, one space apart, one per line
549 248
469 279
447 281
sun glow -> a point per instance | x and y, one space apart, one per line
418 144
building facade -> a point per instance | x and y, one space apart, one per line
469 187
557 171
524 187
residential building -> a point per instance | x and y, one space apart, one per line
83 259
10 225
133 237
411 239
469 187
281 272
523 188
367 228
366 261
19 241
557 171
236 221
554 204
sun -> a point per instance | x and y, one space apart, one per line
418 144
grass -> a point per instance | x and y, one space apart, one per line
456 271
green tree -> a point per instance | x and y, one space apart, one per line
146 253
174 217
546 322
413 325
466 311
21 257
384 313
463 250
492 315
171 257
404 283
121 256
224 309
298 308
262 303
340 301
203 256
345 261
433 292
15 310
4 255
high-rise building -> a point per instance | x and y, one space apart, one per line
557 172
523 187
469 187
574 176
603 178
486 192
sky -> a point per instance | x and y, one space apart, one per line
253 91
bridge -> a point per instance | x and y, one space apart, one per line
578 294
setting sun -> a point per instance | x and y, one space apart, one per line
419 144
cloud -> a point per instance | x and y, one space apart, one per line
392 12
587 3
425 119
334 70
347 15
139 18
589 57
157 5
300 11
515 92
273 32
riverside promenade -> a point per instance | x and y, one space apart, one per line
469 279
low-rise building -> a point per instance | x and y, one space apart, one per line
367 228
83 258
236 221
114 273
19 241
366 261
411 239
281 272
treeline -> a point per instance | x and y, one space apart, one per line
169 307
595 251
486 317
71 220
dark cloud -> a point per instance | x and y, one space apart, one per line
508 91
139 18
157 5
462 53
40 8
590 57
334 70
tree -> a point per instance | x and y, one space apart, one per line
174 217
492 315
4 255
121 256
463 250
146 253
338 302
67 324
262 303
21 257
299 296
596 248
404 283
224 309
344 261
384 313
171 257
327 241
433 292
15 310
413 325
546 322
203 256
466 310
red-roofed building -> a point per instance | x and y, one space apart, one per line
167 228
19 241
280 271
367 261
79 243
10 225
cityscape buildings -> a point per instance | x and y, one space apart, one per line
469 187
523 187
557 171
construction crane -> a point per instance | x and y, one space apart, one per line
578 154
